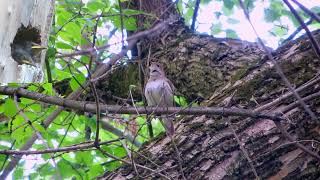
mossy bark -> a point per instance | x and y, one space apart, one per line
211 70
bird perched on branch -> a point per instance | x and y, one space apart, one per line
159 93
26 52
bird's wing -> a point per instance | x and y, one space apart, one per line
170 84
149 96
167 94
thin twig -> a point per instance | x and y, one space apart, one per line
121 23
296 32
296 143
195 14
96 98
129 163
130 157
180 162
242 148
159 27
313 41
283 97
307 11
73 148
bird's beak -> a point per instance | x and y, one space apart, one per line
37 46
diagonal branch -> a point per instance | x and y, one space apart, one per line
314 43
195 14
307 11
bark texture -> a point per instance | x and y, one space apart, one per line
21 21
211 70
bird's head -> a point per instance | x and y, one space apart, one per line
156 70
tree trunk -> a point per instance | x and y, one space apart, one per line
23 21
211 70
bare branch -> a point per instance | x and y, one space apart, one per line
306 10
78 147
91 107
314 43
195 14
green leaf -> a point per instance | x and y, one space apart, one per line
26 101
66 169
60 75
226 11
188 15
216 28
130 24
9 107
232 21
157 127
119 151
315 25
77 81
47 170
84 157
40 128
95 171
228 4
20 133
94 6
63 17
205 2
249 4
315 9
73 31
271 15
291 17
231 34
279 31
48 88
63 45
182 101
18 173
113 165
84 59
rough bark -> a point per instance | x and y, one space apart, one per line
211 70
23 21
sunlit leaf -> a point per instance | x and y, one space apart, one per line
231 34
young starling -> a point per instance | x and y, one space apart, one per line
26 53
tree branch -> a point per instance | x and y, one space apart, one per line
195 14
78 147
91 107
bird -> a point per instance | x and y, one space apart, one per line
159 93
26 52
